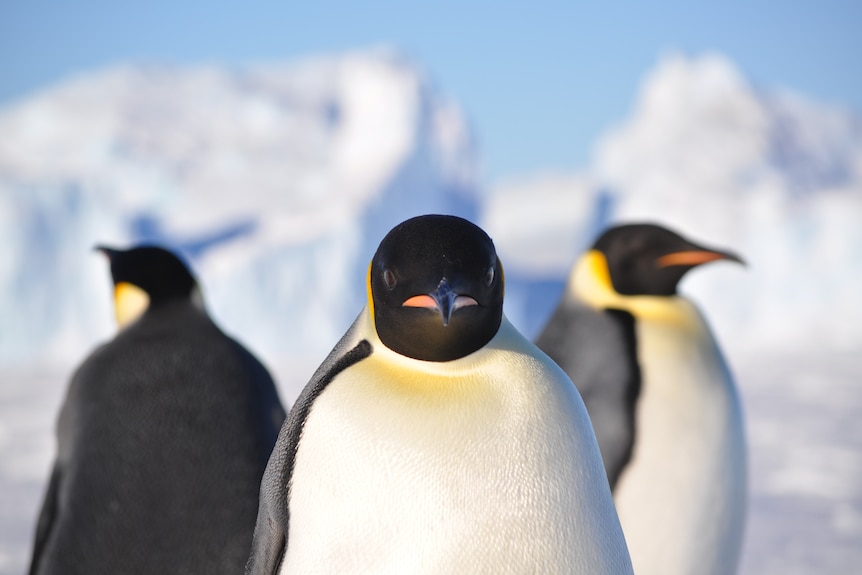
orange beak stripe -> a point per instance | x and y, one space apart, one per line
421 301
689 258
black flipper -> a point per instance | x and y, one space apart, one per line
597 349
273 516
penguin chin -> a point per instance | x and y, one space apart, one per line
419 333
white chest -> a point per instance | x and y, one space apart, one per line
478 470
681 500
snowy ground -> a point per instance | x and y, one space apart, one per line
806 460
805 437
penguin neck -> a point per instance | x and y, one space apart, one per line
171 306
454 368
132 303
590 283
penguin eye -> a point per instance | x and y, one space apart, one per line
489 276
389 279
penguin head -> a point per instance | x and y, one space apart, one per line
145 277
436 288
647 259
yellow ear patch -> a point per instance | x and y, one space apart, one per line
599 267
591 280
370 297
130 303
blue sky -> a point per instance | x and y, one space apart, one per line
540 81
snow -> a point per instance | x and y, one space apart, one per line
806 462
29 402
277 182
805 444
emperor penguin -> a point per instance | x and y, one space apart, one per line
435 438
661 398
162 438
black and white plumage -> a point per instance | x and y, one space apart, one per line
435 438
662 401
162 438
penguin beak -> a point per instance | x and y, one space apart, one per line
691 258
110 252
443 299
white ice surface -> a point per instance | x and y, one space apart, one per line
802 412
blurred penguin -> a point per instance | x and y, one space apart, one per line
162 439
660 396
435 438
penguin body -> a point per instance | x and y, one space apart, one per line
162 440
665 407
480 463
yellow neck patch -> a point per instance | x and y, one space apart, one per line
591 283
130 303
